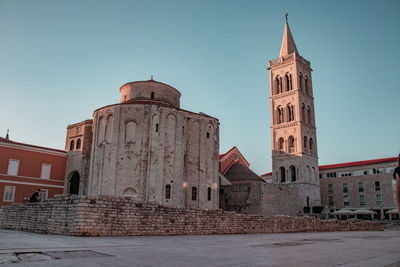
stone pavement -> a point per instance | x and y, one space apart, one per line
288 249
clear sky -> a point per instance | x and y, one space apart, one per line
60 60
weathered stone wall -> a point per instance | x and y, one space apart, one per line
260 198
116 216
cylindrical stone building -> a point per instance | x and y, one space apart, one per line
149 148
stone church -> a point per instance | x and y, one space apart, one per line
146 147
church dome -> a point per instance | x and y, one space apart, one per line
150 92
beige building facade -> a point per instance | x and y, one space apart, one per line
293 131
148 148
360 185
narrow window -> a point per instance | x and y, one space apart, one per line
9 192
360 187
311 144
152 95
287 82
330 189
156 127
309 115
345 188
290 82
293 173
78 144
305 143
303 112
308 201
209 193
330 199
346 201
13 167
378 199
282 172
194 193
208 135
306 84
362 200
377 186
72 145
292 147
281 144
277 85
45 171
124 97
168 191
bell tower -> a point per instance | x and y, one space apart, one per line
293 131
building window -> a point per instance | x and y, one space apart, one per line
362 200
282 172
208 135
365 172
9 192
280 115
78 144
345 188
292 147
152 95
156 127
45 171
167 191
235 157
43 194
311 145
290 112
330 189
377 186
346 201
292 170
72 145
378 199
309 114
361 187
281 143
209 193
13 167
305 143
330 201
194 193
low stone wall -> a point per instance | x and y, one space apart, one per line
118 216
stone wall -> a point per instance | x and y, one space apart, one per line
119 216
260 198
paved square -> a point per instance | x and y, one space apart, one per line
290 249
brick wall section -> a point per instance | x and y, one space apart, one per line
120 216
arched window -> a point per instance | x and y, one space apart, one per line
303 112
292 147
305 143
282 174
74 183
78 144
290 82
301 80
194 193
277 85
281 144
209 193
292 170
280 115
311 145
167 191
290 112
109 129
101 129
309 114
72 145
287 82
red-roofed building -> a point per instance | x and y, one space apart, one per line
24 168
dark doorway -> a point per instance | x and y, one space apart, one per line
74 184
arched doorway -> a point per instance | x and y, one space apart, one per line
74 184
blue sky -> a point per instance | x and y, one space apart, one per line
60 60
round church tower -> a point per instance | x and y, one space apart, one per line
148 148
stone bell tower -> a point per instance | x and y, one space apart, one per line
293 132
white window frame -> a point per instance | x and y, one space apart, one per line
45 194
42 176
5 192
9 169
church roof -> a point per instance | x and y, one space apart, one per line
238 172
288 45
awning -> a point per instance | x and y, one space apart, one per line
364 211
343 212
393 211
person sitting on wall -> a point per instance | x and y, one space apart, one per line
35 196
396 176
